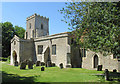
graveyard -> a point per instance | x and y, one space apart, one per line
12 73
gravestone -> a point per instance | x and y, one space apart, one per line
42 64
99 68
114 70
53 64
68 66
16 63
49 64
42 68
38 63
23 65
61 65
30 65
106 74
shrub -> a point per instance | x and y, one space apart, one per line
8 59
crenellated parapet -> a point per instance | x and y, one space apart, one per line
35 15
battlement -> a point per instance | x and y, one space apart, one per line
35 15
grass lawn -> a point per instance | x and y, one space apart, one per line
51 74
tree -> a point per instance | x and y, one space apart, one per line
8 32
7 35
96 23
19 31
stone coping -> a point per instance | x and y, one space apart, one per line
47 37
54 36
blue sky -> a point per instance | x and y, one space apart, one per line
17 12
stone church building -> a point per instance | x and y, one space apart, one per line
38 45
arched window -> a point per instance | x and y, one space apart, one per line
95 61
14 56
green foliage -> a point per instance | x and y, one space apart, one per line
8 32
98 22
7 35
19 31
8 59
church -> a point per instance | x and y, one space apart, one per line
38 45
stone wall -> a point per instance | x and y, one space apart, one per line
24 49
107 61
30 30
60 41
27 50
15 46
45 22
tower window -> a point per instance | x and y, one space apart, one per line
30 25
41 26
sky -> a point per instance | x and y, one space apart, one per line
17 12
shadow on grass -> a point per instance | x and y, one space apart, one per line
112 76
16 78
101 76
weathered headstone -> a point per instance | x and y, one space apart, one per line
68 66
38 63
61 65
106 74
99 68
42 68
23 65
16 63
114 70
53 64
49 64
30 65
42 64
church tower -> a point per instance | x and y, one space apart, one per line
36 26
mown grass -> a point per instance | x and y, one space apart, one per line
51 74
